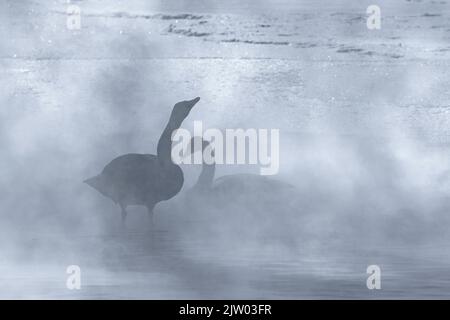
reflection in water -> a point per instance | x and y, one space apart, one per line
164 265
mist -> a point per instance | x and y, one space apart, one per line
363 118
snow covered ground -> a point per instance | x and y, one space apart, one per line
364 119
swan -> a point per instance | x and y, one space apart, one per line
250 204
145 179
234 185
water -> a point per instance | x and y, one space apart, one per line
136 265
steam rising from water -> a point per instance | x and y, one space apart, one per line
364 140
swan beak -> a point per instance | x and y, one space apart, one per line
193 102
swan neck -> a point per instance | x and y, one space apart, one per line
206 177
165 141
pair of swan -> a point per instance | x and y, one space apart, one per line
147 179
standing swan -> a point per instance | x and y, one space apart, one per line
145 179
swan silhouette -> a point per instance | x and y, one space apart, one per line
241 208
145 179
250 192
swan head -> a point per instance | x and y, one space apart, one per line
181 109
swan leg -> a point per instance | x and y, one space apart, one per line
150 214
124 214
